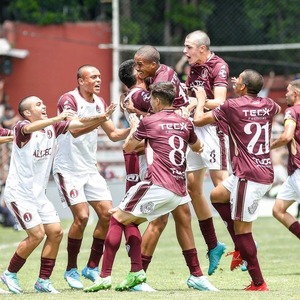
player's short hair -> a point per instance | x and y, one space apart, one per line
149 53
24 105
253 80
164 91
80 70
199 37
295 84
126 73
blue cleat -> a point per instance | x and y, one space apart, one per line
45 286
200 283
90 273
73 279
11 281
214 256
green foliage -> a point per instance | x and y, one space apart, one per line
130 31
190 16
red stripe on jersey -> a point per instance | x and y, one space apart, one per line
63 188
139 194
240 201
17 214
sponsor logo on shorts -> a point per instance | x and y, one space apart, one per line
147 208
133 177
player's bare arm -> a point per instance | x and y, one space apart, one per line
219 97
40 124
201 118
6 139
91 124
286 136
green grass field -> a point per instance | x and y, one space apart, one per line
278 252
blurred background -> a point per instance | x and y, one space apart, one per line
42 43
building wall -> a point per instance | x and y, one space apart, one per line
55 53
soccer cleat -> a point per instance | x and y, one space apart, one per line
214 256
11 281
236 259
99 284
73 279
142 287
131 280
90 273
260 288
45 286
200 283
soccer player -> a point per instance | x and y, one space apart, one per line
135 100
249 120
289 191
30 165
210 72
166 136
6 135
76 154
147 61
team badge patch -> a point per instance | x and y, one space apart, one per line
73 193
147 208
252 208
27 217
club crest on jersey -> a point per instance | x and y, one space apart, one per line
49 134
147 208
98 109
27 217
204 73
66 105
74 193
223 73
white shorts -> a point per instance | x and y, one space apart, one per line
290 189
143 166
244 197
29 214
149 201
74 189
215 152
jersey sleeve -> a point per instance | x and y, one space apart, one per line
220 74
21 137
66 102
61 127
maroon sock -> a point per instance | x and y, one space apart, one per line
247 248
225 213
47 265
96 253
146 260
73 249
132 167
295 229
111 245
208 231
16 263
191 259
133 245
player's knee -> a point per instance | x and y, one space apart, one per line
81 220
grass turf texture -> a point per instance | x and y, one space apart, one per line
278 254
